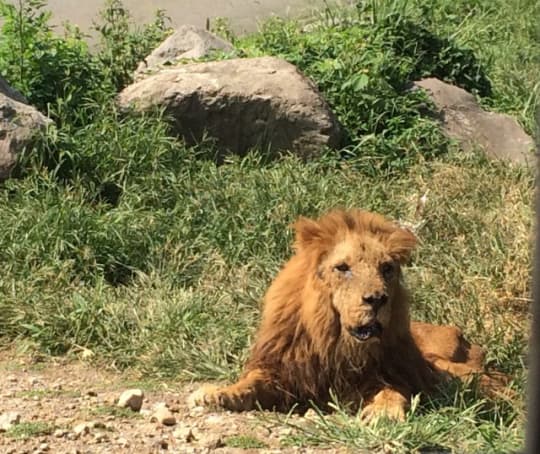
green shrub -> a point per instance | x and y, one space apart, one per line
60 75
123 46
40 64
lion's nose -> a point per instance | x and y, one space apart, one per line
376 300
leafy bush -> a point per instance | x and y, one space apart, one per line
122 47
60 75
364 65
42 65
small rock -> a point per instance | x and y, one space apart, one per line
91 393
43 447
9 419
132 398
214 420
12 379
81 429
87 354
97 425
211 442
163 416
34 381
185 434
101 437
310 414
163 444
59 433
122 442
285 432
197 411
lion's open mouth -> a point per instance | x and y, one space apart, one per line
365 332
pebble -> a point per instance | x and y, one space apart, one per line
59 433
98 425
214 420
122 442
81 429
185 434
9 419
212 442
197 411
101 437
162 444
131 398
310 414
163 416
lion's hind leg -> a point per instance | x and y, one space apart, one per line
251 390
445 348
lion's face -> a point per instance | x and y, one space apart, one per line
357 256
362 277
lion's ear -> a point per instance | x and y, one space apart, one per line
307 232
400 244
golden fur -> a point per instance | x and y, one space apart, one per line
336 320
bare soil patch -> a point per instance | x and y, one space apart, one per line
68 406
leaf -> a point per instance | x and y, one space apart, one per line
357 83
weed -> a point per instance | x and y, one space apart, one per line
29 429
117 412
244 442
60 75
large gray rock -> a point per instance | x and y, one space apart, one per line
19 122
462 118
187 42
242 103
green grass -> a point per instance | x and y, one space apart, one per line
26 430
119 238
457 423
244 442
117 412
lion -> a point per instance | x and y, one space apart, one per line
335 324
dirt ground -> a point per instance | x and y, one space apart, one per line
66 406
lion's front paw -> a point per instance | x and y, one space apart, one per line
228 398
391 410
207 396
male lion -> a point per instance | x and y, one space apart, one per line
336 320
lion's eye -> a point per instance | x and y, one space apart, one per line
342 267
387 269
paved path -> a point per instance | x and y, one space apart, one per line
243 14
